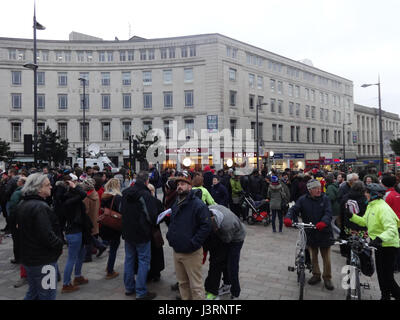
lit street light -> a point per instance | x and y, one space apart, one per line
380 121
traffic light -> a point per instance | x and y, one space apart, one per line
78 152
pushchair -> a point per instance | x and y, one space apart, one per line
259 212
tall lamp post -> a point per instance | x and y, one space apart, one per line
344 146
84 122
34 66
257 134
380 121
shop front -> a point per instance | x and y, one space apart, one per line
293 161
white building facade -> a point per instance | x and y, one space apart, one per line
208 82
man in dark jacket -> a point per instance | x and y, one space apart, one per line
255 185
208 177
315 208
41 244
154 177
219 192
139 214
189 227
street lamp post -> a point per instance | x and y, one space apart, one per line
380 121
344 146
257 134
84 122
34 66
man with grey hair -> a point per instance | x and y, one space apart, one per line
345 187
315 207
41 244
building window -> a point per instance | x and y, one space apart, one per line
192 51
307 94
273 132
16 132
297 92
102 56
143 54
122 55
105 78
297 109
40 128
260 100
189 99
308 134
292 133
105 101
126 130
131 55
251 101
171 52
272 85
326 115
45 55
106 131
327 136
147 100
110 56
290 90
251 80
67 56
147 125
297 134
167 76
313 112
126 78
232 124
188 74
291 108
307 111
323 135
80 56
147 78
313 95
16 78
62 101
189 129
260 82
232 98
163 52
168 102
62 79
335 136
86 102
280 106
151 54
63 130
41 103
84 129
84 75
272 101
126 100
41 79
184 52
313 135
232 74
12 54
16 100
280 87
280 132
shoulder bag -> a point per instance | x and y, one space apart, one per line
110 218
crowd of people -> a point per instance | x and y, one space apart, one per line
47 210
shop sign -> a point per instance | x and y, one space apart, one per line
289 156
312 162
187 150
238 154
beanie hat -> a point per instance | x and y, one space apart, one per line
207 168
313 184
274 179
389 181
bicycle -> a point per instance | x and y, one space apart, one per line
357 244
300 256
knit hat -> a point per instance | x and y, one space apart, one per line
207 168
274 179
313 184
219 216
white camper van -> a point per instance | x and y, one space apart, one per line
97 159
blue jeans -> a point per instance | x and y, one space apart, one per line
76 254
280 217
114 244
38 290
143 252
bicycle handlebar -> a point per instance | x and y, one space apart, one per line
363 242
303 225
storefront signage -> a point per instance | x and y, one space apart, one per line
289 156
187 150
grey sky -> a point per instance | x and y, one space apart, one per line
355 39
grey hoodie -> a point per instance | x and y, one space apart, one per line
230 228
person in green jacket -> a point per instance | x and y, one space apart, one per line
382 224
332 190
236 195
198 184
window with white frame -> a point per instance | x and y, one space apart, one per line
126 78
16 78
189 98
272 85
308 134
297 91
188 74
147 80
313 135
168 99
290 90
62 79
84 131
41 101
297 109
16 101
67 56
126 130
131 55
86 102
105 78
126 100
143 54
167 129
251 101
260 82
232 74
151 54
313 112
12 54
122 55
291 108
147 100
189 128
84 75
45 55
272 104
192 51
41 78
251 80
280 106
106 131
171 52
313 95
110 56
297 134
163 53
307 94
102 56
62 101
106 101
147 125
80 56
63 130
307 111
40 128
16 132
274 132
167 76
280 132
184 52
232 98
280 87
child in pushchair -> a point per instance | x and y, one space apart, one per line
259 210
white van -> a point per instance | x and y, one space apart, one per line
101 161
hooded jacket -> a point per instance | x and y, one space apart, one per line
276 194
230 228
314 210
381 222
138 214
220 194
189 225
39 233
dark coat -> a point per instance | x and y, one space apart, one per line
11 186
314 210
208 179
139 214
220 194
190 224
343 189
256 186
40 239
74 210
107 233
362 205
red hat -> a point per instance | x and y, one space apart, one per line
207 168
314 171
213 171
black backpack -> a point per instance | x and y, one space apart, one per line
367 262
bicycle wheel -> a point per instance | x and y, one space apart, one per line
301 279
354 293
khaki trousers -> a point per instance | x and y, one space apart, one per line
326 258
189 274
